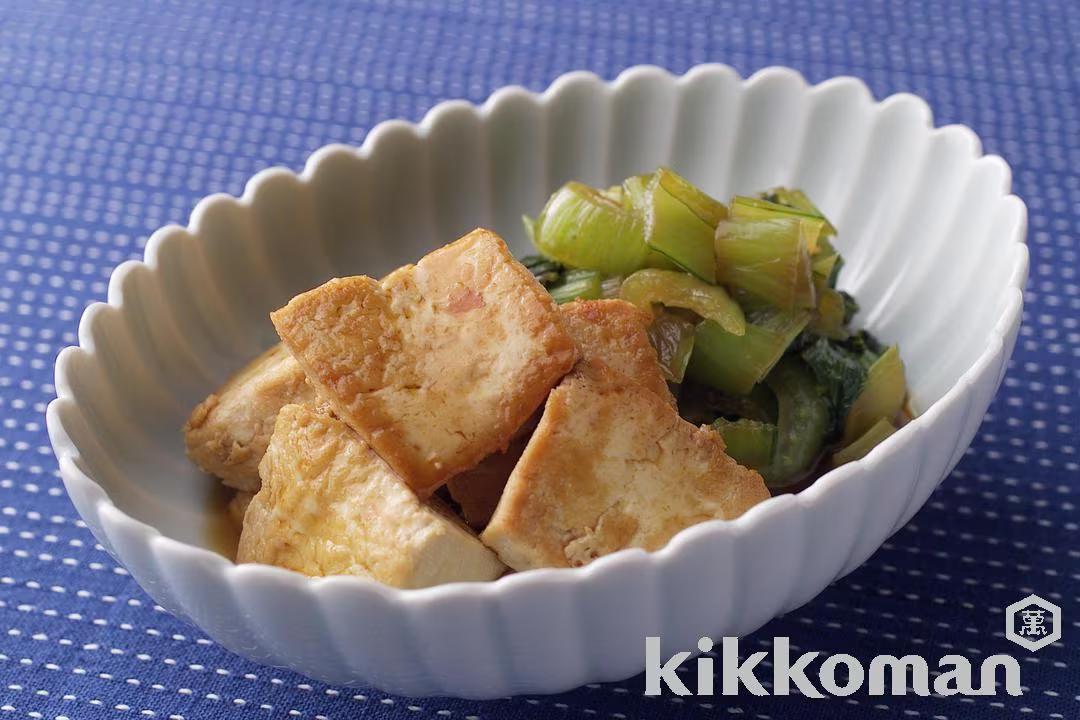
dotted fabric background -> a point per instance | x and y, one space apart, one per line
115 117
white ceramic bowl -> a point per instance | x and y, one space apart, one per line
933 241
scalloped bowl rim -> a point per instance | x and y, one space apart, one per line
67 453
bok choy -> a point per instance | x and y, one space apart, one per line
748 321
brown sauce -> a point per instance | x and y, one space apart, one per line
222 532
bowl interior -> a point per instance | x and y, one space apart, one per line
923 231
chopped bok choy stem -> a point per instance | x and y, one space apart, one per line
882 396
826 262
672 334
609 287
735 363
633 191
672 288
798 200
748 208
865 443
582 228
710 210
680 222
802 426
767 259
749 442
578 285
827 319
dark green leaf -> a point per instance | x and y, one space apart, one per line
547 272
850 306
841 375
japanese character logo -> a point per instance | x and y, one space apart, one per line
1033 623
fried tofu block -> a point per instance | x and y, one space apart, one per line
440 363
616 333
227 433
329 505
611 331
612 467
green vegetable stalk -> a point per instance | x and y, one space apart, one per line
734 364
747 317
802 426
672 334
866 442
710 210
749 442
672 288
748 208
827 319
767 259
578 285
680 222
827 262
545 271
882 396
633 191
798 200
582 228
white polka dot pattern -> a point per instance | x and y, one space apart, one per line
110 131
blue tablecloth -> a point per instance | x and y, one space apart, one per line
118 115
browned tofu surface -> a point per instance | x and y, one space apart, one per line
329 505
438 365
616 333
612 467
228 432
611 331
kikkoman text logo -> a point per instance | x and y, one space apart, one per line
839 675
1032 623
